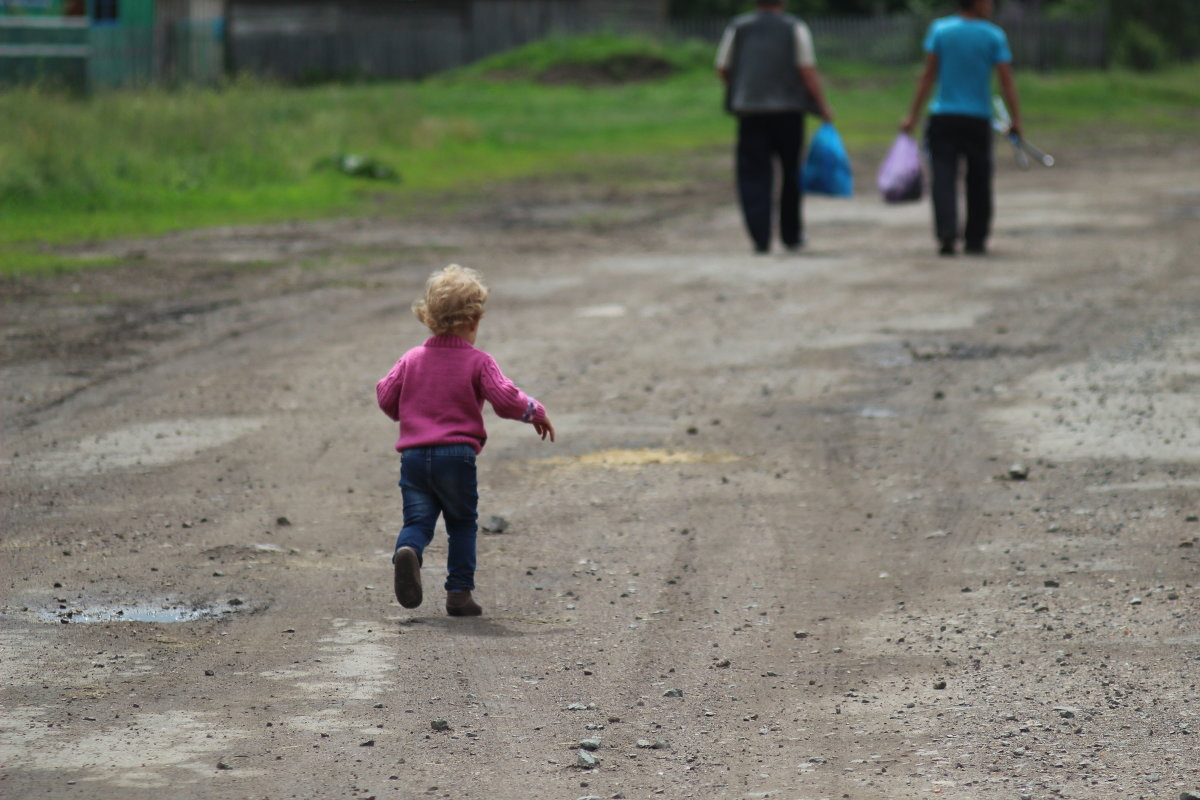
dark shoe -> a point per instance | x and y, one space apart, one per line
947 248
762 251
975 249
406 575
460 604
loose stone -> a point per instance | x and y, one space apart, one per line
653 744
495 524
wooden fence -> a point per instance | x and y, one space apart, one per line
324 41
876 40
1046 44
310 41
346 45
1036 42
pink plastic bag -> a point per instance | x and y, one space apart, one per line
900 178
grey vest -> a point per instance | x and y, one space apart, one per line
763 77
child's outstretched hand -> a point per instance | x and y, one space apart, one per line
544 429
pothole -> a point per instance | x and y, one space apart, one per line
155 611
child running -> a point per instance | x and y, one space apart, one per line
436 393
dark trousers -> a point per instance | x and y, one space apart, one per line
952 138
441 480
763 139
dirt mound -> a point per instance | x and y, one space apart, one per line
610 71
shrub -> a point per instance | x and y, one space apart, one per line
1140 48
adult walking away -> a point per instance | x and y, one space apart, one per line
961 51
767 62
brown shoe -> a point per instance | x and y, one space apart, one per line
406 575
460 604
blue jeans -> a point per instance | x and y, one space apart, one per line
441 480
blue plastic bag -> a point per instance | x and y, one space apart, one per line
827 169
900 178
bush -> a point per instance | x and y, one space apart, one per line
1140 48
606 57
1177 23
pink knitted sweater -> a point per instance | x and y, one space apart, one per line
436 393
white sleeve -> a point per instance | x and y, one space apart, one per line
805 55
725 49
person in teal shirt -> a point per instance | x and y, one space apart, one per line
961 52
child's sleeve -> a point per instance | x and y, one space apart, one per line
387 391
507 400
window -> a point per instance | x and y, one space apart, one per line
105 11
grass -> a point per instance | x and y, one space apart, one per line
21 261
1116 102
537 58
138 163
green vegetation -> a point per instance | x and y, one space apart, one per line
1099 106
73 169
1147 36
146 162
723 9
538 58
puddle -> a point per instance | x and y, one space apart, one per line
877 413
161 612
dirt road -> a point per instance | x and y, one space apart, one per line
859 523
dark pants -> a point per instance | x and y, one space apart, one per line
761 140
440 480
952 138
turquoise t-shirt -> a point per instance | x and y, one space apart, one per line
967 51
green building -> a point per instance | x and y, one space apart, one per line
92 45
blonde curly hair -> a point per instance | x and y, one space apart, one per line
454 297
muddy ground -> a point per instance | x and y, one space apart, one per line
858 523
